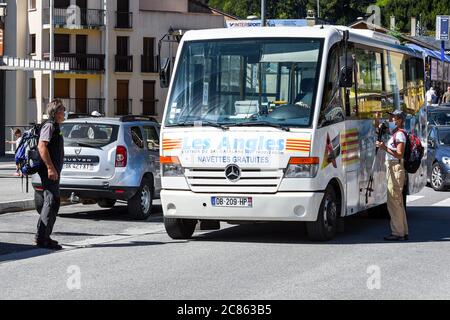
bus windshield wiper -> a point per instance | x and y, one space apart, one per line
260 124
200 123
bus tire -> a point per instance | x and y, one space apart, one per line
179 228
325 228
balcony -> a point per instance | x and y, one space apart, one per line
149 107
75 18
123 107
82 105
124 63
124 20
81 62
148 64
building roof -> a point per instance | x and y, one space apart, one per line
198 6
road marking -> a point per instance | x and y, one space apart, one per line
444 203
126 234
413 198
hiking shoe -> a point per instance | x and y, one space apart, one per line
53 241
48 245
394 238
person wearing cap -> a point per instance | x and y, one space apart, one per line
396 175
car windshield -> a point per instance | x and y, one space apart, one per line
439 118
444 137
93 135
246 82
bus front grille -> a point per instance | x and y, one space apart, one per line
251 181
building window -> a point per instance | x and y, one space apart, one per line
31 4
32 88
32 44
62 43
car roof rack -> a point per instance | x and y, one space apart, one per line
131 118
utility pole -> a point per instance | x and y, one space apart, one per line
2 80
263 13
318 8
52 56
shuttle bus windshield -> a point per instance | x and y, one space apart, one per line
242 82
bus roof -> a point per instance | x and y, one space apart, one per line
333 33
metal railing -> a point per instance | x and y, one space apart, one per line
69 17
81 105
123 107
124 20
149 107
81 62
148 64
124 63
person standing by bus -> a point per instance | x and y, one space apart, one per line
51 150
446 96
396 175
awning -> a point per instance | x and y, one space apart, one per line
428 52
10 63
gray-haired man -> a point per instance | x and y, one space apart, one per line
51 150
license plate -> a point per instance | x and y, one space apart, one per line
238 202
79 166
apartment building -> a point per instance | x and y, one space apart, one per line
111 47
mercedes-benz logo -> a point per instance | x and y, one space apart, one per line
233 173
78 151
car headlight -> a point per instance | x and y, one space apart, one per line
446 160
171 167
302 168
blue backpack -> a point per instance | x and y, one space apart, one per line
27 154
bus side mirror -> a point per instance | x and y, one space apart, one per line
346 72
164 73
346 77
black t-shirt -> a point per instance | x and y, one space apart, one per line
51 133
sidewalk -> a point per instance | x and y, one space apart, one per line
12 198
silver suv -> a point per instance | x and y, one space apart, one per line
110 159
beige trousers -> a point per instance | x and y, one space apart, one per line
396 179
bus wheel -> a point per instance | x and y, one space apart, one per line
179 228
325 227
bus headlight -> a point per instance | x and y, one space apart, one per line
171 167
302 168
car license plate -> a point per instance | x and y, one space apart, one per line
79 166
239 202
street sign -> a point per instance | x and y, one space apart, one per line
442 28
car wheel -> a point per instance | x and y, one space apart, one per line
325 227
437 179
140 205
38 201
180 228
106 203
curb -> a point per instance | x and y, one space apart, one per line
16 206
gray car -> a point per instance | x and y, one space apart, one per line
110 159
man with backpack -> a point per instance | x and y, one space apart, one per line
396 173
51 151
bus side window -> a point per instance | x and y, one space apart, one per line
332 107
369 83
